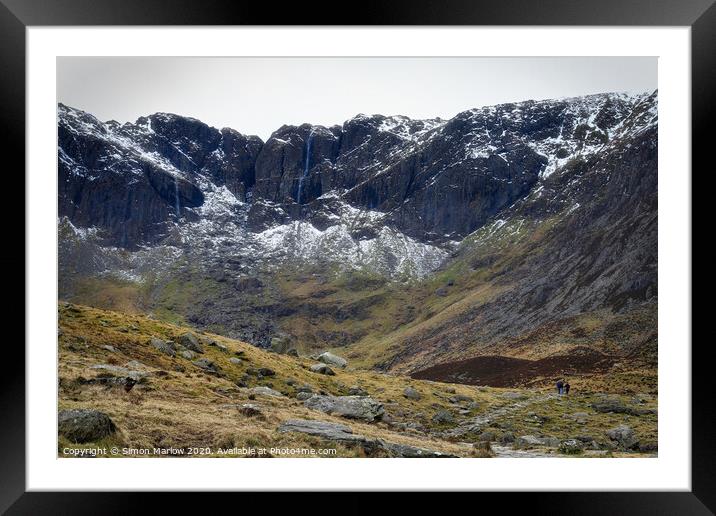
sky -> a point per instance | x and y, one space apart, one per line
259 95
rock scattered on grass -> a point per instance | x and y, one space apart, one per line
412 394
190 342
624 436
167 347
529 441
571 447
351 407
124 372
265 391
206 365
342 433
406 451
324 429
218 346
331 359
443 416
322 369
84 425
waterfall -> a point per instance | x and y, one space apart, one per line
176 197
306 166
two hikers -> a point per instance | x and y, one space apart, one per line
562 387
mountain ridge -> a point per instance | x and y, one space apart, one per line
463 216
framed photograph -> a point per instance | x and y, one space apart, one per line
434 250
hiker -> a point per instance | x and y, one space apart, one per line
566 387
560 385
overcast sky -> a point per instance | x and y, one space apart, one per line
258 95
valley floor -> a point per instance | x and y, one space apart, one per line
150 388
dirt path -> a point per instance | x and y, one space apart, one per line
476 423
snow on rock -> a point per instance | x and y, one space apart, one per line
389 252
341 225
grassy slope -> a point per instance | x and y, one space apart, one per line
381 324
190 408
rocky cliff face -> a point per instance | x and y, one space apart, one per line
575 261
551 203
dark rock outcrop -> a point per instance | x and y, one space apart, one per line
351 407
84 425
434 179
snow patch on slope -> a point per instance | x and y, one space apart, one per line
390 252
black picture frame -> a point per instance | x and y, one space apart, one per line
17 15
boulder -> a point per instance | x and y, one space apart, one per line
571 447
322 369
529 441
323 429
351 407
123 372
412 394
165 347
265 391
191 342
218 346
280 343
412 452
487 436
624 436
206 365
539 419
443 416
84 425
612 405
507 438
189 355
578 417
343 433
292 352
356 390
331 359
303 396
648 447
235 361
265 371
